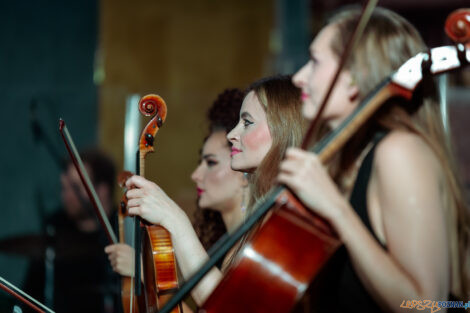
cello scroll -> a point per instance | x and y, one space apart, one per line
457 26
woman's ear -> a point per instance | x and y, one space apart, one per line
353 89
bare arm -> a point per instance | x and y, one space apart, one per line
150 202
415 265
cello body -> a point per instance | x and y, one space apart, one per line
271 275
286 253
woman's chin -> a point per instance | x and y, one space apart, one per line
238 166
201 203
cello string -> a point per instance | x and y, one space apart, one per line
24 294
228 242
351 46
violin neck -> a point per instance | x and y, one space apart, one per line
141 166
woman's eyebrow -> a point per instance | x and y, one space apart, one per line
207 156
245 115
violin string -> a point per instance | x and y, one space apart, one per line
133 274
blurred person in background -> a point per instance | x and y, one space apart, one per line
75 275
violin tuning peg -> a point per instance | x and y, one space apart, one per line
149 139
123 207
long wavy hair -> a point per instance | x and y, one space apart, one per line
281 101
392 40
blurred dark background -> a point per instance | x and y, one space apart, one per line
81 60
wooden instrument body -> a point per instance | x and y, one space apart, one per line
159 262
276 266
281 259
158 256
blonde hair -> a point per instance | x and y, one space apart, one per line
392 40
281 101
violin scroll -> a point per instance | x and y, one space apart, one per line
457 26
151 105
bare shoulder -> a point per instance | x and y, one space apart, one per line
406 168
401 149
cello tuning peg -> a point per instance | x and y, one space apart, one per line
426 64
462 54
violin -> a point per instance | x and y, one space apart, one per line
276 265
130 303
158 257
160 273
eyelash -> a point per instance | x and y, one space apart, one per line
211 163
246 123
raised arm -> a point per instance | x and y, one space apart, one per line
149 201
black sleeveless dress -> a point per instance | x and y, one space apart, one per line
337 288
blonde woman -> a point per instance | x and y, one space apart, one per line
268 124
404 222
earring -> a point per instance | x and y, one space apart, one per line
244 204
352 82
243 208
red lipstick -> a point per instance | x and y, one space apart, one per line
235 151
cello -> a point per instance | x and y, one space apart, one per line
281 263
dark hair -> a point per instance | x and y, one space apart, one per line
225 110
223 116
102 168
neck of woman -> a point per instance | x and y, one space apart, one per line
233 216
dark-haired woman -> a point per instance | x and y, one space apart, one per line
222 192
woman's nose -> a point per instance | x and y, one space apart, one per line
196 175
233 134
299 78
